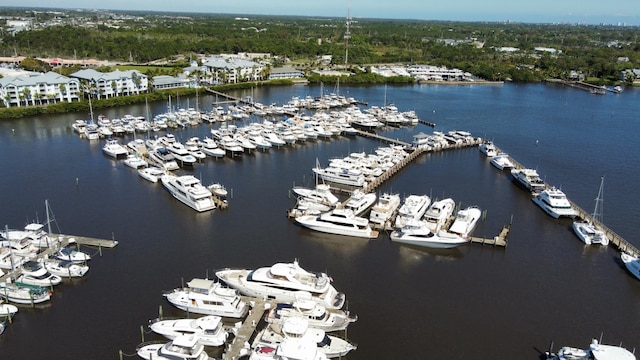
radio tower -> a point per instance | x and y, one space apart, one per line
347 36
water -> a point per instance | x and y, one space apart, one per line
469 302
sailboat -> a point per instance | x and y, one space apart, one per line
588 232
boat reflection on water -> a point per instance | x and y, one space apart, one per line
411 253
340 244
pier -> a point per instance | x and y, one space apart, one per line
615 239
61 241
243 337
232 99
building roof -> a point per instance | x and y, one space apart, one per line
93 75
220 63
285 70
50 78
168 80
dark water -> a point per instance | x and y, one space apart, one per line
470 302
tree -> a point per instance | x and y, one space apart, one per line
63 91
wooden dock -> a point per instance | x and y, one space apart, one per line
615 239
382 138
60 241
499 240
232 99
240 346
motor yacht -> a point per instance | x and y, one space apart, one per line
413 207
298 328
181 154
344 176
207 329
151 173
164 158
632 263
114 149
290 344
596 351
69 254
24 294
320 194
189 190
210 148
417 232
360 202
185 347
529 179
488 148
135 162
64 268
7 310
258 140
231 146
438 213
203 296
35 273
339 222
383 210
318 316
465 221
284 282
502 162
555 203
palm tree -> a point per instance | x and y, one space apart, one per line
27 96
63 91
114 87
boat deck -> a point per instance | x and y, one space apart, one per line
238 346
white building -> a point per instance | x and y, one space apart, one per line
115 83
38 89
227 71
436 73
285 72
162 82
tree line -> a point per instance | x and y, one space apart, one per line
598 52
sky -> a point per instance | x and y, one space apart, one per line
528 11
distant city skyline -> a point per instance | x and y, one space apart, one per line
542 11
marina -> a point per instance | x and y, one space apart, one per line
161 239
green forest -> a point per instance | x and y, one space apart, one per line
598 52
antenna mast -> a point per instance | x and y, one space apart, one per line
347 36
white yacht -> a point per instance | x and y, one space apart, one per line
24 294
502 162
69 254
413 207
210 148
352 177
318 316
287 344
35 273
298 328
360 202
164 158
231 146
189 190
438 213
321 194
151 173
183 347
416 232
465 221
284 282
181 154
488 148
203 296
65 268
555 203
135 162
587 231
529 179
339 222
596 351
207 329
382 211
114 149
632 263
258 140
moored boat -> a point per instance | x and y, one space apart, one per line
555 203
189 190
204 296
465 221
208 329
